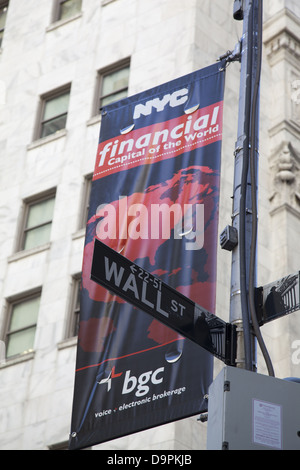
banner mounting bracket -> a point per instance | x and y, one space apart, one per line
232 56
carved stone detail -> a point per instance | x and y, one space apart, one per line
285 177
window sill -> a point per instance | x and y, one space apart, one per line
59 23
25 356
79 234
94 120
106 2
46 140
25 253
67 343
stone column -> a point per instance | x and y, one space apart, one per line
282 45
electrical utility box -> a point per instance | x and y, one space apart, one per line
250 411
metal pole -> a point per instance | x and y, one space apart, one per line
242 217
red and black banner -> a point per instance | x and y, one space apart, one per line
154 200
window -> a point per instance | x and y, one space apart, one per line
23 315
86 200
3 14
114 84
54 112
38 221
68 8
75 307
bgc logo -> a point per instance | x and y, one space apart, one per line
139 385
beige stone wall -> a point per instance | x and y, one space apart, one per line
165 39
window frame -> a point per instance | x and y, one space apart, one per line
85 201
27 204
105 72
3 4
42 107
58 9
74 308
11 303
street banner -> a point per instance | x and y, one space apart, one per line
154 200
149 293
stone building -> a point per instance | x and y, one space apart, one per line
59 61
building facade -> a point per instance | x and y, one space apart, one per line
60 61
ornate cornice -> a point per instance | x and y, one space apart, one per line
282 35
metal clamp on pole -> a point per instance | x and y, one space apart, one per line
238 12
